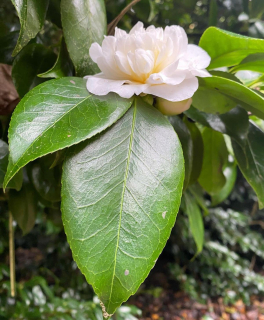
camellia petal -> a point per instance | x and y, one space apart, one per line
148 61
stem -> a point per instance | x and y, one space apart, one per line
12 256
111 26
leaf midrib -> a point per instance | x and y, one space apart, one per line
122 197
12 172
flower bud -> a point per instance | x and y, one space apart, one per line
170 108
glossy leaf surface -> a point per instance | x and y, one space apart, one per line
121 192
56 115
228 49
32 15
251 160
16 182
84 22
33 59
254 62
212 178
241 95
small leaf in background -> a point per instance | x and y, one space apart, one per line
234 123
46 119
228 49
230 173
187 145
7 45
63 66
46 181
121 192
54 12
195 219
23 205
254 62
84 22
250 160
198 193
212 178
213 13
256 8
198 150
16 182
247 98
32 15
32 60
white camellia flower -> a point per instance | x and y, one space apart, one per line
148 61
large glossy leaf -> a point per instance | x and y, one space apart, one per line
16 182
251 160
23 205
212 178
228 49
121 192
32 15
187 145
84 22
33 59
63 66
234 123
195 219
240 94
56 115
254 62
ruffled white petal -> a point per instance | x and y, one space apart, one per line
182 91
151 61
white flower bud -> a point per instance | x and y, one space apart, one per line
170 108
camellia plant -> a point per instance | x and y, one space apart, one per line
138 121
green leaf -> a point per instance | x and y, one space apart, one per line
228 49
256 8
230 173
213 13
16 182
23 205
7 45
53 13
233 123
56 115
63 66
187 145
212 178
254 62
84 22
251 160
198 150
46 181
211 87
32 15
33 59
198 193
195 219
119 203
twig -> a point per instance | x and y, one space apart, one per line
12 257
252 263
259 222
111 26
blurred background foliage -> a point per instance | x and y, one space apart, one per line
49 284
